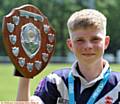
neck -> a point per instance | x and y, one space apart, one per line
92 71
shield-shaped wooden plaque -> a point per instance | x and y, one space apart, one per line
29 39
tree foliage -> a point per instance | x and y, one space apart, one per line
112 10
58 11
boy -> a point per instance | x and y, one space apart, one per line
89 80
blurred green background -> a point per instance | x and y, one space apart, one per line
58 11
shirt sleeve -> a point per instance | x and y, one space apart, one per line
47 91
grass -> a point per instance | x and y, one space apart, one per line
9 83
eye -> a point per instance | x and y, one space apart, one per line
80 40
96 39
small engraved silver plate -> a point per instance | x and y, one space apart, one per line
15 51
30 67
21 61
12 39
38 65
49 48
28 14
46 28
51 37
16 20
10 27
30 39
45 57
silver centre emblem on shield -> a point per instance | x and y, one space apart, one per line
30 39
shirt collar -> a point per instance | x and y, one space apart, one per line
83 80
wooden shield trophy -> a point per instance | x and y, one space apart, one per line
29 39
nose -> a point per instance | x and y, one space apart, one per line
88 45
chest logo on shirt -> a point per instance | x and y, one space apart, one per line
108 100
62 101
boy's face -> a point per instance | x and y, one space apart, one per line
88 44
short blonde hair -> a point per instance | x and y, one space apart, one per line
87 18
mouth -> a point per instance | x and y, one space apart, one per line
88 54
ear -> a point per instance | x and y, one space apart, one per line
69 44
107 41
